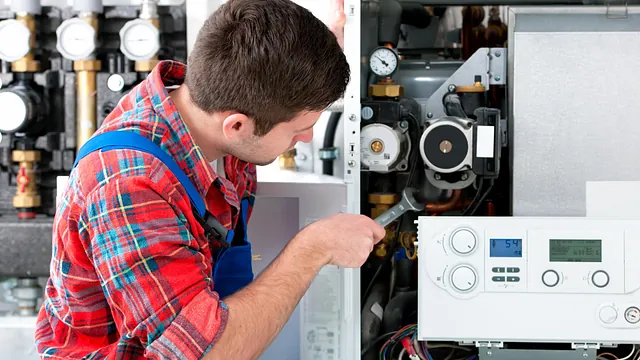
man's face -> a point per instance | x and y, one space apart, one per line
263 150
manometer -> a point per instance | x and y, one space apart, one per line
139 40
14 40
383 61
76 39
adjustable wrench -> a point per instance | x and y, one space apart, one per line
408 202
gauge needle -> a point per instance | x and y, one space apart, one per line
383 62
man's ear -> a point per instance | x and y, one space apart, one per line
237 126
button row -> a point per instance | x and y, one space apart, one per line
509 270
508 278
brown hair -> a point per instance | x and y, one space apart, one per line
267 59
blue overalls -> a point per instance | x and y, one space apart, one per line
233 262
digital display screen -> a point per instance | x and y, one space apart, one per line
505 248
575 250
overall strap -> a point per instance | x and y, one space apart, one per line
133 141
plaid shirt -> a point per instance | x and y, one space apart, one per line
131 271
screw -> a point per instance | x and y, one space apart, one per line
452 88
437 176
352 117
352 163
497 78
498 54
489 353
464 176
429 115
404 124
585 355
302 157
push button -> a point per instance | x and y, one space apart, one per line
513 279
513 270
498 278
498 269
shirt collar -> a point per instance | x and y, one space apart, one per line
178 142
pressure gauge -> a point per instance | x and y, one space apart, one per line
14 40
139 40
76 39
383 61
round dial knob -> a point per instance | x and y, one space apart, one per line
139 40
76 39
550 278
632 315
600 279
115 82
463 278
14 40
463 241
16 111
608 314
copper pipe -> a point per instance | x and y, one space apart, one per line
447 205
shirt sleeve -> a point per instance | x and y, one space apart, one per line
155 275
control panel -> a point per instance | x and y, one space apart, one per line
526 279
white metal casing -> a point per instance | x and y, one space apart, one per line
460 298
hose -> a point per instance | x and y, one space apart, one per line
328 141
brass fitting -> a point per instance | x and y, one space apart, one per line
287 160
27 196
475 88
87 65
386 90
28 62
382 202
146 65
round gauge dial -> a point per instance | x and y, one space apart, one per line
76 39
14 40
15 111
139 40
383 61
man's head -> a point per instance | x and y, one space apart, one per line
271 67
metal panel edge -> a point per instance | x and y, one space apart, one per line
350 336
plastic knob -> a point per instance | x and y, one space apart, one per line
550 278
600 279
608 314
463 278
463 241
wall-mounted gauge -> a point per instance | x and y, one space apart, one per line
383 61
14 40
76 39
139 40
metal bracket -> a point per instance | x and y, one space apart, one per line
489 63
620 14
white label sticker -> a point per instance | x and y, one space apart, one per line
485 141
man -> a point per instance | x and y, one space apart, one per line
139 268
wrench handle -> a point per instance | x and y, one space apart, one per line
391 215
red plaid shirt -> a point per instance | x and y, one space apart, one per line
131 272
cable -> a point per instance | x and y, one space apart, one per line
329 141
375 341
633 350
607 354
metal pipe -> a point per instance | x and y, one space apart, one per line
86 87
337 106
512 2
149 12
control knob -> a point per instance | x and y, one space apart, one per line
463 278
550 278
20 111
608 314
463 241
600 279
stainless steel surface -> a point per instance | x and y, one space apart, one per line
573 97
421 78
489 63
407 203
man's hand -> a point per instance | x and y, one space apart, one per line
258 312
345 240
337 19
